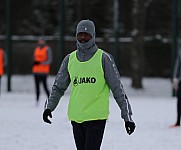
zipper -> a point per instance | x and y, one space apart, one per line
83 55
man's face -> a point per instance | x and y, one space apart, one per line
83 37
41 42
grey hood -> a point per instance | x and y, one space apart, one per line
86 26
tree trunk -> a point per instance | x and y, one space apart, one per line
137 48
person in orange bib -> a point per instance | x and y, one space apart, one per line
3 63
42 59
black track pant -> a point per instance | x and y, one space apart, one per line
38 79
178 104
88 135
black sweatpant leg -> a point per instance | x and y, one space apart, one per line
94 134
178 104
44 78
38 79
37 86
79 135
88 135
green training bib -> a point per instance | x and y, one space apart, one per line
89 99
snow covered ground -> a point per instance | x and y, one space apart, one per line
22 128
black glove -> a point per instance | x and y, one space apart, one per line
47 113
130 127
36 63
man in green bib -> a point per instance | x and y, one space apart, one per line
91 73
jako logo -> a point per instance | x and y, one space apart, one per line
82 80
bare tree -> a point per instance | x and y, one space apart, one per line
137 50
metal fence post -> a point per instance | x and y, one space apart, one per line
9 43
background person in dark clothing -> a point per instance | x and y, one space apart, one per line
91 72
42 59
177 87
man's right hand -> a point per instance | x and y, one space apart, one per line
130 127
47 113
